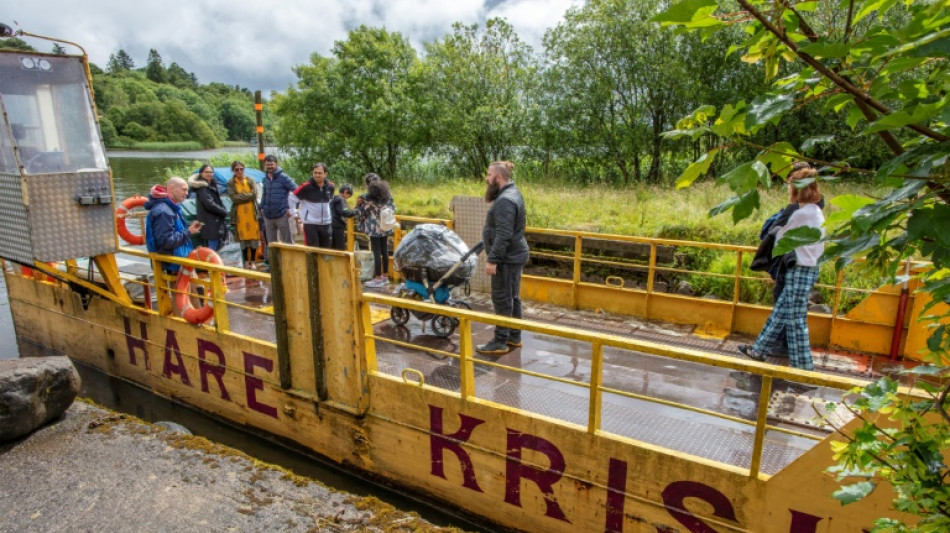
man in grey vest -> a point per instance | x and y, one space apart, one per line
507 252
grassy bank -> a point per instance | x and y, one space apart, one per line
649 211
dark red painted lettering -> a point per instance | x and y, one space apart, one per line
171 347
616 489
544 478
253 384
439 442
136 343
803 522
674 497
216 370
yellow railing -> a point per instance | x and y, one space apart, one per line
214 287
597 342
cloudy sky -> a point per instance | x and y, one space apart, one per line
255 44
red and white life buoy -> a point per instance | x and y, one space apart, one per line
204 313
122 212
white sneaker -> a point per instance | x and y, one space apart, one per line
375 283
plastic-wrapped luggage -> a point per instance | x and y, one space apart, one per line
433 249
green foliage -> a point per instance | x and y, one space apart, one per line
15 43
159 105
479 84
353 109
885 77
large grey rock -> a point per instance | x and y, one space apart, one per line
33 392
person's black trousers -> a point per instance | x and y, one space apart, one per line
317 235
506 298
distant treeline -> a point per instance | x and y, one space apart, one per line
590 107
156 105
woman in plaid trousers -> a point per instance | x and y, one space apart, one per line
790 312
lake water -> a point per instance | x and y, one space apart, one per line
132 173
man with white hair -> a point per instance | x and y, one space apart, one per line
165 231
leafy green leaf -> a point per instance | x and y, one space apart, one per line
847 205
811 142
871 6
768 107
696 169
723 207
744 177
826 50
747 204
854 492
926 370
794 238
690 13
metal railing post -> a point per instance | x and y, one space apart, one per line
760 425
736 291
596 380
466 365
651 278
218 292
162 297
577 270
369 344
350 234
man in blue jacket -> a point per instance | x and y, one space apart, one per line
165 231
276 204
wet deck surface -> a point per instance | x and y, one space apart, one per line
730 393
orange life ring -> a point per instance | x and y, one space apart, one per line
122 212
204 313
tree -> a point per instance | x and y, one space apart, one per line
120 62
154 68
58 49
353 108
616 84
478 84
180 77
882 66
15 43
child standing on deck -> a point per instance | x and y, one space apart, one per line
340 212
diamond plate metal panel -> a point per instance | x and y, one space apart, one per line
62 228
469 214
15 243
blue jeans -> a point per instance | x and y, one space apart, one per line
214 244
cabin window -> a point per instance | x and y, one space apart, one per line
51 115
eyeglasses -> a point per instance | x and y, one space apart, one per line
239 169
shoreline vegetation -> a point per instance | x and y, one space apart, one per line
175 146
644 210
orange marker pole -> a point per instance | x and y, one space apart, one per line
259 111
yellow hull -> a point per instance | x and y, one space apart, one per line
517 469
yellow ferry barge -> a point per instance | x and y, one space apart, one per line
598 432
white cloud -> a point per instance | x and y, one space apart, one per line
252 43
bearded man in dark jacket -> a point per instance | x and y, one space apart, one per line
507 252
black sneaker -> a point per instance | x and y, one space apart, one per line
494 347
748 351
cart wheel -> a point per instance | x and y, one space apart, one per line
443 326
461 304
399 315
